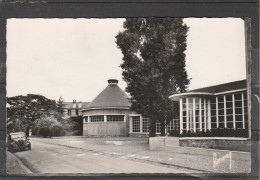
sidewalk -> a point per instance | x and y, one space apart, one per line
195 160
14 165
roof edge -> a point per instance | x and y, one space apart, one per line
96 108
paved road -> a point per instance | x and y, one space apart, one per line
50 158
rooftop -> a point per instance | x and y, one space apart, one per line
213 90
69 105
111 97
222 87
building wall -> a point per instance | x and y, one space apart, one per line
105 128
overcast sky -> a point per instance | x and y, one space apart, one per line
73 58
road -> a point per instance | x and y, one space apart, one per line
50 158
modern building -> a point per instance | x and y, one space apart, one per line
74 108
215 107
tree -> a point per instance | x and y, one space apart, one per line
27 109
154 65
60 109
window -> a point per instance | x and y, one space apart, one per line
146 124
86 119
77 112
170 126
174 125
96 118
136 124
115 118
69 112
158 127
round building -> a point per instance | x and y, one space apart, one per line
108 113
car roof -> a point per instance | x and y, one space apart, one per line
17 133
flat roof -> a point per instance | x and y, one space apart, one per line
213 90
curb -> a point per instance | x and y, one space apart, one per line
21 164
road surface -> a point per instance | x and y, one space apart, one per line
50 158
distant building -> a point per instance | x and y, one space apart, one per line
74 108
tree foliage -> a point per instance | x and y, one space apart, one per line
27 109
59 109
154 65
73 125
48 126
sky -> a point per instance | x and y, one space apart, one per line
74 58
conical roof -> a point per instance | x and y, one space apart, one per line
111 97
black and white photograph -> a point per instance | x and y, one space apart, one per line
127 96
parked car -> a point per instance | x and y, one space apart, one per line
18 141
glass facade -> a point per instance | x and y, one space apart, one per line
214 112
140 124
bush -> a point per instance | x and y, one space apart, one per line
48 126
73 126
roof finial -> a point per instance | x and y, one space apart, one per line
112 81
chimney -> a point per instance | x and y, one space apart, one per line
74 104
79 104
112 81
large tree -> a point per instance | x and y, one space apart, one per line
154 65
27 109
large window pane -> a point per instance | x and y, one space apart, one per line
229 98
136 124
221 125
115 118
238 96
229 111
96 118
146 124
158 127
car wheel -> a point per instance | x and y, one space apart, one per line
10 149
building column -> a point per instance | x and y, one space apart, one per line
200 114
181 116
187 115
130 124
89 119
217 112
105 118
205 115
194 114
243 111
125 118
209 115
234 112
141 124
225 112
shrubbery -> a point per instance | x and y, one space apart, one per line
212 133
73 126
48 126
